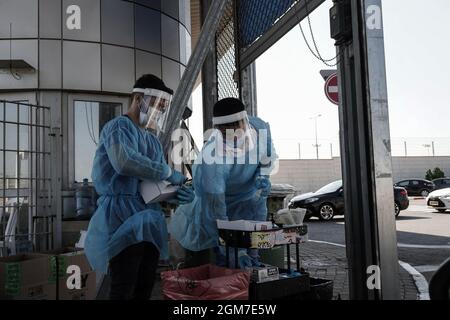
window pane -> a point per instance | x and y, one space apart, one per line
24 163
10 164
11 136
11 112
24 113
90 118
24 134
1 135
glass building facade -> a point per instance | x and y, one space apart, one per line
82 58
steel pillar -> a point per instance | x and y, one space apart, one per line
209 77
248 89
366 155
193 68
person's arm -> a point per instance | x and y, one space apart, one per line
269 157
128 161
212 185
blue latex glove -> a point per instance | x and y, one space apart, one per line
263 183
244 260
177 178
185 195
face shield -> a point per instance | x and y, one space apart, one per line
154 109
237 135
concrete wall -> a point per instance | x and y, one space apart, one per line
310 175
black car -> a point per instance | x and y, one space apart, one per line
441 183
417 187
328 201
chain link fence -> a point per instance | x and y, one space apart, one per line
243 23
256 17
227 63
329 148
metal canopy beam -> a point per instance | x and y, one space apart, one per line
366 158
293 17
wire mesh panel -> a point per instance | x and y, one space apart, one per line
227 75
25 189
256 17
242 24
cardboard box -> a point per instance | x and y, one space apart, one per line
61 259
292 235
87 291
26 277
153 192
264 274
262 240
244 225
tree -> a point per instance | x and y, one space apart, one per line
435 174
429 175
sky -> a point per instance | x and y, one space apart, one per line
291 90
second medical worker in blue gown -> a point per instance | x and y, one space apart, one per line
231 180
126 236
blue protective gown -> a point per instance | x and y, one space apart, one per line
223 191
125 155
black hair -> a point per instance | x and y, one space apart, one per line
150 81
228 106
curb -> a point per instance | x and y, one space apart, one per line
419 280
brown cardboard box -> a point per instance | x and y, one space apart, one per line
26 277
87 291
61 260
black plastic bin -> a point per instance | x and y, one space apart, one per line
320 289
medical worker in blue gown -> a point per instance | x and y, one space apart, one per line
231 181
125 236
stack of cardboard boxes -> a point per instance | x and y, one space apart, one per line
63 274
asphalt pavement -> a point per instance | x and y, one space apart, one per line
423 236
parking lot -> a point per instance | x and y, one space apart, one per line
423 236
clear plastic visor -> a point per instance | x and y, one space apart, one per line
156 104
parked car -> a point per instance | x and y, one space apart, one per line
439 200
417 187
401 200
441 183
328 201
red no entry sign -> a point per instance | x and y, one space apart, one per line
332 89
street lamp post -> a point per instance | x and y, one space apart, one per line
317 146
427 146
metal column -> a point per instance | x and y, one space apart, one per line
195 63
248 89
209 76
366 158
56 148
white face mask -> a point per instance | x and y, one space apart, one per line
143 116
157 120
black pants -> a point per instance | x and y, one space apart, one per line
133 272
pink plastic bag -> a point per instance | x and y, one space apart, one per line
206 282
